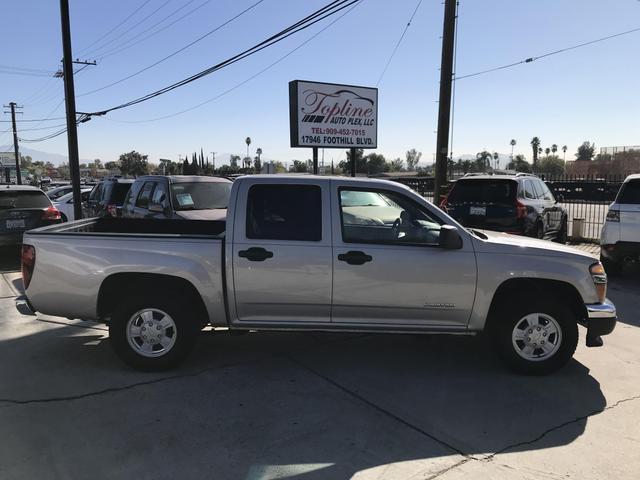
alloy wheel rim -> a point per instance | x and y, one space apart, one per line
536 337
151 332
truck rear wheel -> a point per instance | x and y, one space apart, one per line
535 337
152 333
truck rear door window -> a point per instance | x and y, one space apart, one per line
483 191
285 212
23 199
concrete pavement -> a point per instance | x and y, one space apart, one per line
313 406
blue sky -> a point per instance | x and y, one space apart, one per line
586 94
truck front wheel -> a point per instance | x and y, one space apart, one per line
537 337
152 333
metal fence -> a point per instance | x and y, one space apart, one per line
586 198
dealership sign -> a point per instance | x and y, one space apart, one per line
328 115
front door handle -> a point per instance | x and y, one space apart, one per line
255 254
355 257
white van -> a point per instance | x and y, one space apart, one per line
620 238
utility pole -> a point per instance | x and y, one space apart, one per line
315 160
444 106
13 107
69 94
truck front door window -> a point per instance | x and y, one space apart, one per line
385 217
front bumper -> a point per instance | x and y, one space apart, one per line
601 320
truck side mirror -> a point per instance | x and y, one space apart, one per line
450 238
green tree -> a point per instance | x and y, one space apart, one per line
361 163
112 165
564 151
483 161
535 146
396 165
233 161
547 151
413 157
520 164
554 148
63 171
299 166
586 151
133 163
376 163
551 165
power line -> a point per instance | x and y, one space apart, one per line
330 9
114 39
114 28
82 118
246 80
395 49
548 54
127 43
34 120
190 44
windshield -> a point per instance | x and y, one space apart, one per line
354 198
23 199
120 191
630 193
200 195
484 191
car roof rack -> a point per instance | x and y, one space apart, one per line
524 174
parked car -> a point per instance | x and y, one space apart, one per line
520 204
107 197
305 253
620 238
22 208
65 204
178 196
58 192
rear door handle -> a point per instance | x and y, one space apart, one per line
355 257
255 254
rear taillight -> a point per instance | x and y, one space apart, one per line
51 213
443 203
521 210
112 210
613 216
28 263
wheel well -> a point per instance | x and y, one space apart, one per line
513 290
115 286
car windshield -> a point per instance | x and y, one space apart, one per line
485 191
120 191
354 198
23 199
630 193
200 195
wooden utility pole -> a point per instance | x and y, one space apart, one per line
444 106
70 98
13 107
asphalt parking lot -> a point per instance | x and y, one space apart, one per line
312 406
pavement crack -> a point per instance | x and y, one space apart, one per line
449 468
560 426
377 407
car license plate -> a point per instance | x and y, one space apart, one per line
477 211
15 224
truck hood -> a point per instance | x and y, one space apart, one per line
505 243
208 214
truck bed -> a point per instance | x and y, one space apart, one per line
135 226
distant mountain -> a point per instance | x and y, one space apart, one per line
54 158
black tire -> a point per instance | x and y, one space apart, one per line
563 234
539 231
63 217
184 334
612 268
510 316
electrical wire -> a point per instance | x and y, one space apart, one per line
548 54
34 120
330 9
81 119
395 49
127 44
114 28
245 81
116 38
190 44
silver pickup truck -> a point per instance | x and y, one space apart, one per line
323 254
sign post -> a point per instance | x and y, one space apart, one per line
329 115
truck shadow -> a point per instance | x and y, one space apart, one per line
305 405
9 259
624 291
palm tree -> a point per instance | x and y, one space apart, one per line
554 148
513 144
535 145
564 152
248 142
547 151
496 157
258 152
483 160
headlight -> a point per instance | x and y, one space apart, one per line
613 216
599 277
